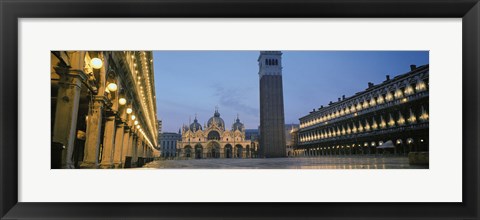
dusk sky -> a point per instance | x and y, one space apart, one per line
194 82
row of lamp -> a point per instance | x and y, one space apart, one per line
97 63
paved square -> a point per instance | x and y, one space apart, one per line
338 162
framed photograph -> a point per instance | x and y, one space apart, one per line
226 109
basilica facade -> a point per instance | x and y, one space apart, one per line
213 140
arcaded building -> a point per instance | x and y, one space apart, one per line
395 111
103 109
213 140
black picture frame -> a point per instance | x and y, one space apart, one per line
12 10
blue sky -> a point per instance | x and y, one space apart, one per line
194 82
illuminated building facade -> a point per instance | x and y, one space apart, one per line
289 128
290 138
103 109
395 110
213 140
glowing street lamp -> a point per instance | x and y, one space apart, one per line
133 117
112 87
129 110
96 63
122 101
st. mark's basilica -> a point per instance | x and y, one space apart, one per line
213 140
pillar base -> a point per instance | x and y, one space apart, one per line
87 165
106 166
128 162
140 162
117 165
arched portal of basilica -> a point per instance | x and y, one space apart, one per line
214 141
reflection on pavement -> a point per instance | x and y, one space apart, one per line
339 162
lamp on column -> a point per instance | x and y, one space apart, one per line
112 87
133 118
96 63
123 101
129 110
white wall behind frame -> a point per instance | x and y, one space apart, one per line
441 183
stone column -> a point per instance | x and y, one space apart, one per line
126 145
119 139
131 147
145 153
94 129
222 152
244 154
108 143
148 154
140 152
134 149
64 128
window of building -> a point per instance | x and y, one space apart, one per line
213 135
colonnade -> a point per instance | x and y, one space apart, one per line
401 147
98 120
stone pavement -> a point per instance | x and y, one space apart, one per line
334 162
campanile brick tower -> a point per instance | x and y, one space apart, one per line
272 118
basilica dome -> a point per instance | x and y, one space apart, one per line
237 125
195 126
216 120
185 127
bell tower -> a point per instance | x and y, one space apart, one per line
272 118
